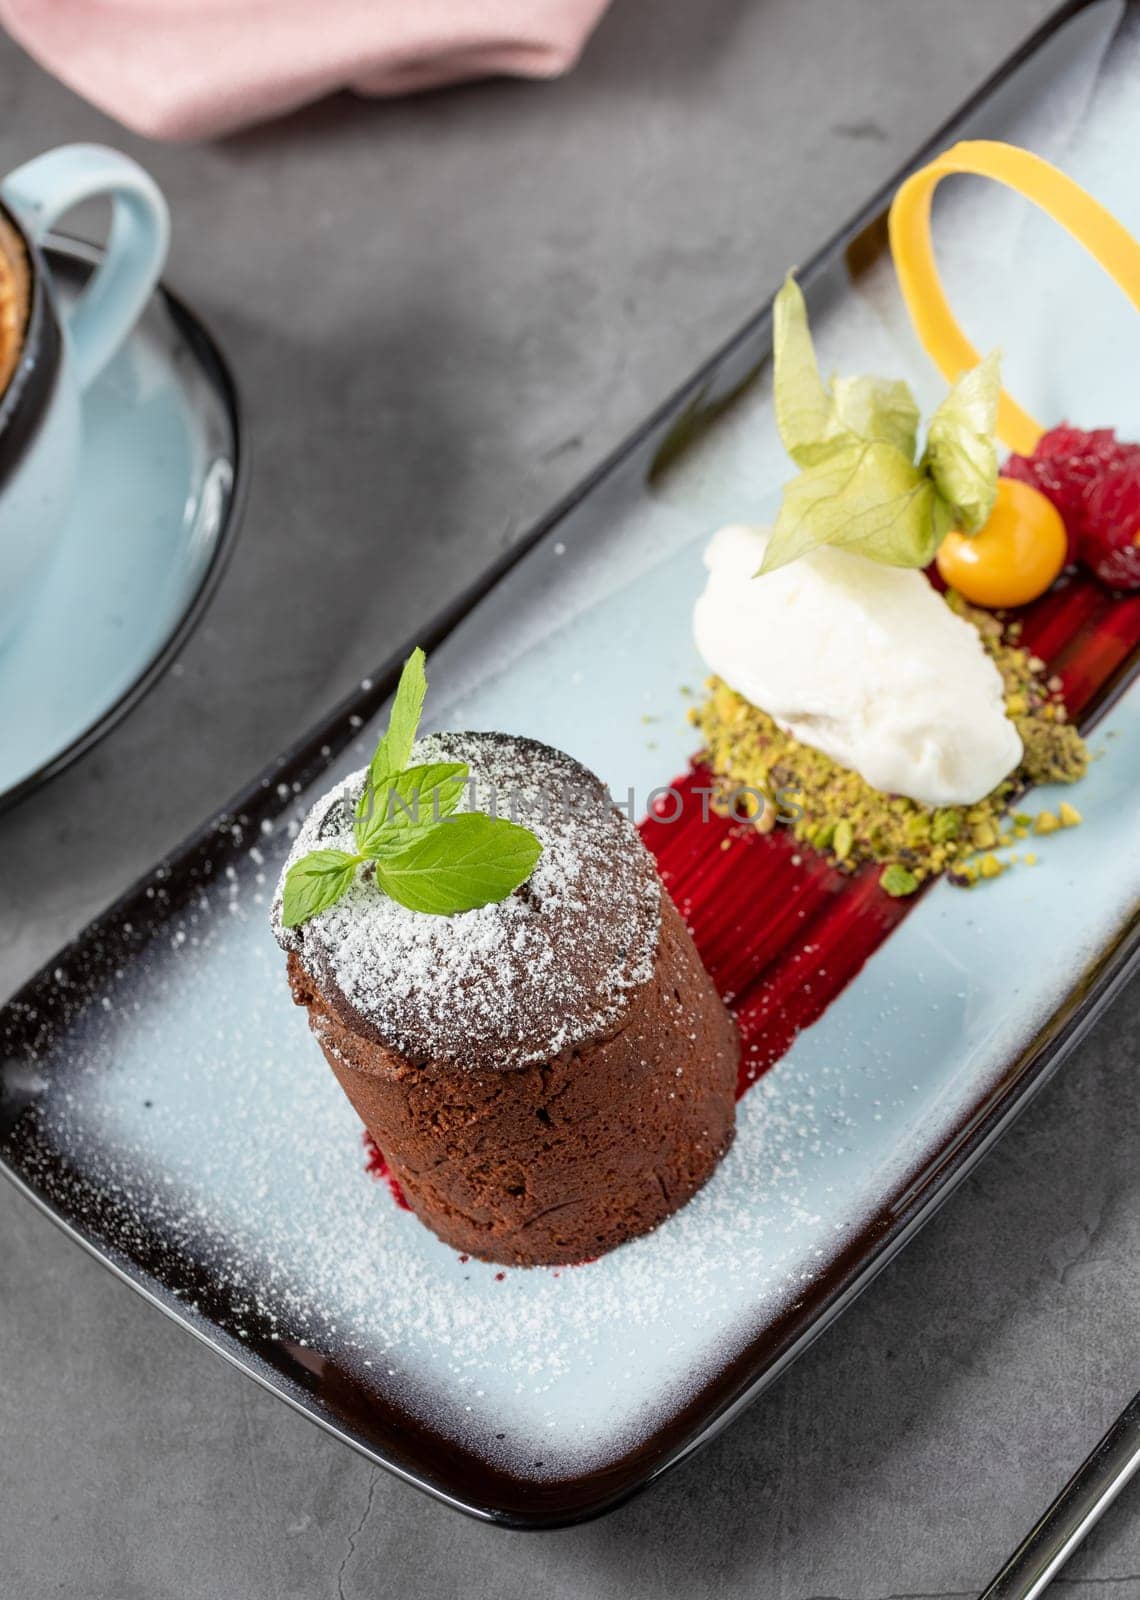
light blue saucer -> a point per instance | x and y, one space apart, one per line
157 507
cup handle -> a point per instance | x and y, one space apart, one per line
42 190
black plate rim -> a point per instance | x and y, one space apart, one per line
319 747
1034 1070
218 373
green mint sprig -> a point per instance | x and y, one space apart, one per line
855 441
423 855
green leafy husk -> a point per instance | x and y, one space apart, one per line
855 440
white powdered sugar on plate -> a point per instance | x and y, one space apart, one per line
191 1102
191 1099
550 967
223 1139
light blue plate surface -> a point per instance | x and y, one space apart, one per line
154 511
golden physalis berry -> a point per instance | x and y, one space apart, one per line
1014 557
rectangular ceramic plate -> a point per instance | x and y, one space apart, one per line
163 1100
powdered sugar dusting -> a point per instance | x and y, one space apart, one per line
184 1114
547 969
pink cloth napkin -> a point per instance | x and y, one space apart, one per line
189 69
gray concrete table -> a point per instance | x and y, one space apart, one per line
442 312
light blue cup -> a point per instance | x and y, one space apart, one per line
61 356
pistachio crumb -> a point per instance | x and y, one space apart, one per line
837 813
897 881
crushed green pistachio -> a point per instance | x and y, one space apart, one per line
839 814
898 881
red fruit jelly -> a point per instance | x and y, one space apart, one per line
1093 479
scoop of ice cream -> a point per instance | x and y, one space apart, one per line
863 661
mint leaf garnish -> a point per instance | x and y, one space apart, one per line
396 746
391 813
427 857
316 882
855 441
466 862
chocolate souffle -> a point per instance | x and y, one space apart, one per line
546 1076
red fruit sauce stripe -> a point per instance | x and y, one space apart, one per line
782 932
376 1166
779 929
1085 633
